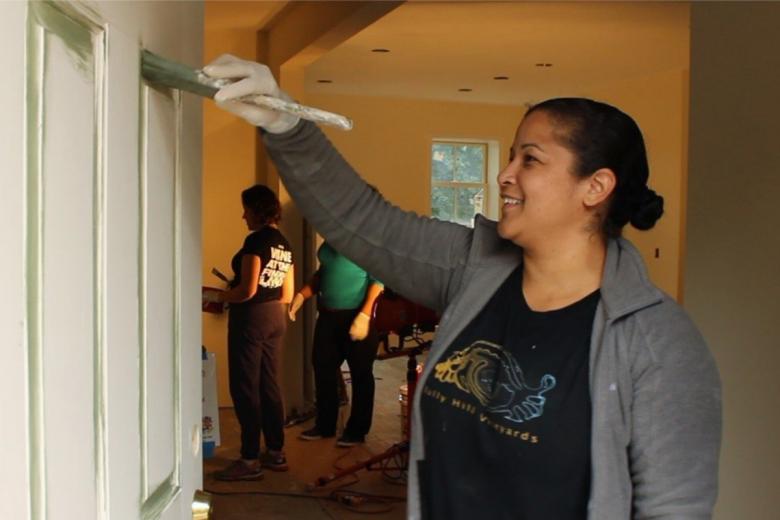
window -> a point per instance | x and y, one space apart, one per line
458 180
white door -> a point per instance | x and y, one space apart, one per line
100 268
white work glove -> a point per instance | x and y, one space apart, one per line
359 329
251 79
295 305
209 296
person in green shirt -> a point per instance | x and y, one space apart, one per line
345 298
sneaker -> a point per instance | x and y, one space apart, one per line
313 434
348 440
274 460
241 470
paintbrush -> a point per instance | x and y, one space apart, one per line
216 272
161 71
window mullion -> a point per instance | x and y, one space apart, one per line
455 188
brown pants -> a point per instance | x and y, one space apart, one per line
255 335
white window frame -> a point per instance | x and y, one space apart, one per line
490 170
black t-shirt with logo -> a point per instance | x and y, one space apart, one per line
506 414
275 255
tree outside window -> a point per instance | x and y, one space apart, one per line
458 181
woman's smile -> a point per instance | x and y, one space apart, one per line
509 203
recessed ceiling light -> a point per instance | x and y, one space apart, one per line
324 81
500 77
464 90
380 50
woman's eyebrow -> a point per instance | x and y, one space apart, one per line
532 145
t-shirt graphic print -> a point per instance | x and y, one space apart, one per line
276 258
494 377
275 271
506 414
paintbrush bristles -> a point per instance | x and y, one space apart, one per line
160 71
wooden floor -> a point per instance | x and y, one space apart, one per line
289 495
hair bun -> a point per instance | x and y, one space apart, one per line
648 210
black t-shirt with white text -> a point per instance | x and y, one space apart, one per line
276 258
506 414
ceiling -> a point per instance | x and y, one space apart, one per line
437 48
239 15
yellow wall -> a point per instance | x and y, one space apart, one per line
390 145
232 159
228 168
659 104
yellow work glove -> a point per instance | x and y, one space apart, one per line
295 305
359 329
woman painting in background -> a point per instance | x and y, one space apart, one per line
263 284
345 300
562 384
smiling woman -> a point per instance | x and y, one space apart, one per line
566 384
577 175
604 142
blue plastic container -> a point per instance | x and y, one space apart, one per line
208 449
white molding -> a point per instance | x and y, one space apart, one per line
84 34
33 262
100 212
177 274
154 502
143 280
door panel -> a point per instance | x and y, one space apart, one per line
65 272
159 359
104 195
70 276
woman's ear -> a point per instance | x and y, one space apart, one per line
600 186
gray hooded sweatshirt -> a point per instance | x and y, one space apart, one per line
654 387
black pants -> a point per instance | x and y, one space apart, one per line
255 334
332 345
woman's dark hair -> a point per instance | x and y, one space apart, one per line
263 203
601 136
